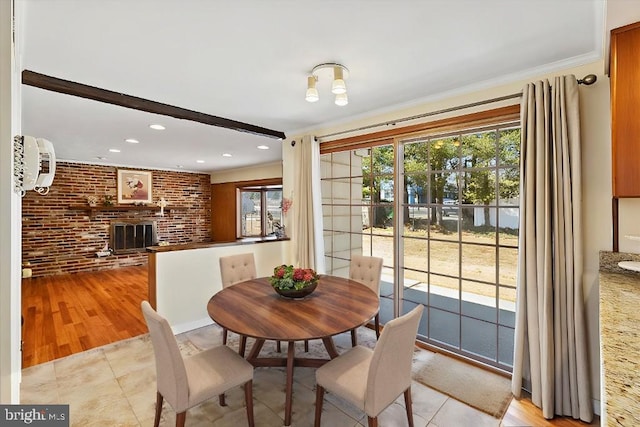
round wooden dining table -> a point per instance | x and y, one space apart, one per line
253 309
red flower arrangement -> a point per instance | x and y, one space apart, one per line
286 277
286 205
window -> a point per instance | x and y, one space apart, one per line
260 211
441 207
460 237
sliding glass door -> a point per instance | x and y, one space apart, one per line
459 239
452 246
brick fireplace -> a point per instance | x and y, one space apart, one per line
58 237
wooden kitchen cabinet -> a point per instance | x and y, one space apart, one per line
625 110
223 212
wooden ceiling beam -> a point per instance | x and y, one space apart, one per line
55 84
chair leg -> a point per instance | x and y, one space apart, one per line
408 406
373 421
159 398
278 348
243 345
221 399
248 401
180 419
319 400
224 336
306 346
377 323
354 338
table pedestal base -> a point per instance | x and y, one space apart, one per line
290 362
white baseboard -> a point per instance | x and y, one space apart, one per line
189 326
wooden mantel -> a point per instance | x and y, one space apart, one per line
93 209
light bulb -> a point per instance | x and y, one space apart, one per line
341 99
312 95
312 92
338 86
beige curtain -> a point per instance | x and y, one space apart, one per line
550 355
307 206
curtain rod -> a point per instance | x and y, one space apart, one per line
588 80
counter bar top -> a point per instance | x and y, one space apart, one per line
187 246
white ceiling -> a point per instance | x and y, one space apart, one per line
247 60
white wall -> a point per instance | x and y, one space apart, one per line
269 170
10 220
186 279
596 140
596 207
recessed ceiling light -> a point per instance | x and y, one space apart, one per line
114 150
157 127
263 147
226 155
199 161
132 141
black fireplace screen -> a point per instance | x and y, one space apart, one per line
126 237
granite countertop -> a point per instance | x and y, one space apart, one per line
620 339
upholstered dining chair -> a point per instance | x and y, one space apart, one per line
235 269
373 379
187 382
366 270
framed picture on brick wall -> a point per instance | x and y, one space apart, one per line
134 186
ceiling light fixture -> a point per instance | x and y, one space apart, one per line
114 150
263 147
199 161
226 155
157 127
132 141
338 73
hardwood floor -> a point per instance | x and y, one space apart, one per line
70 313
524 413
67 314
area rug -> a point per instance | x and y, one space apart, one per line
484 390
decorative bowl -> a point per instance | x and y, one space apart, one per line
293 282
297 293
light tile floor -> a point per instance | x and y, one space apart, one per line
114 385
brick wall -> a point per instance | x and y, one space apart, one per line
57 239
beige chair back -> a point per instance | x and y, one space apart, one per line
366 270
237 268
170 370
390 369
